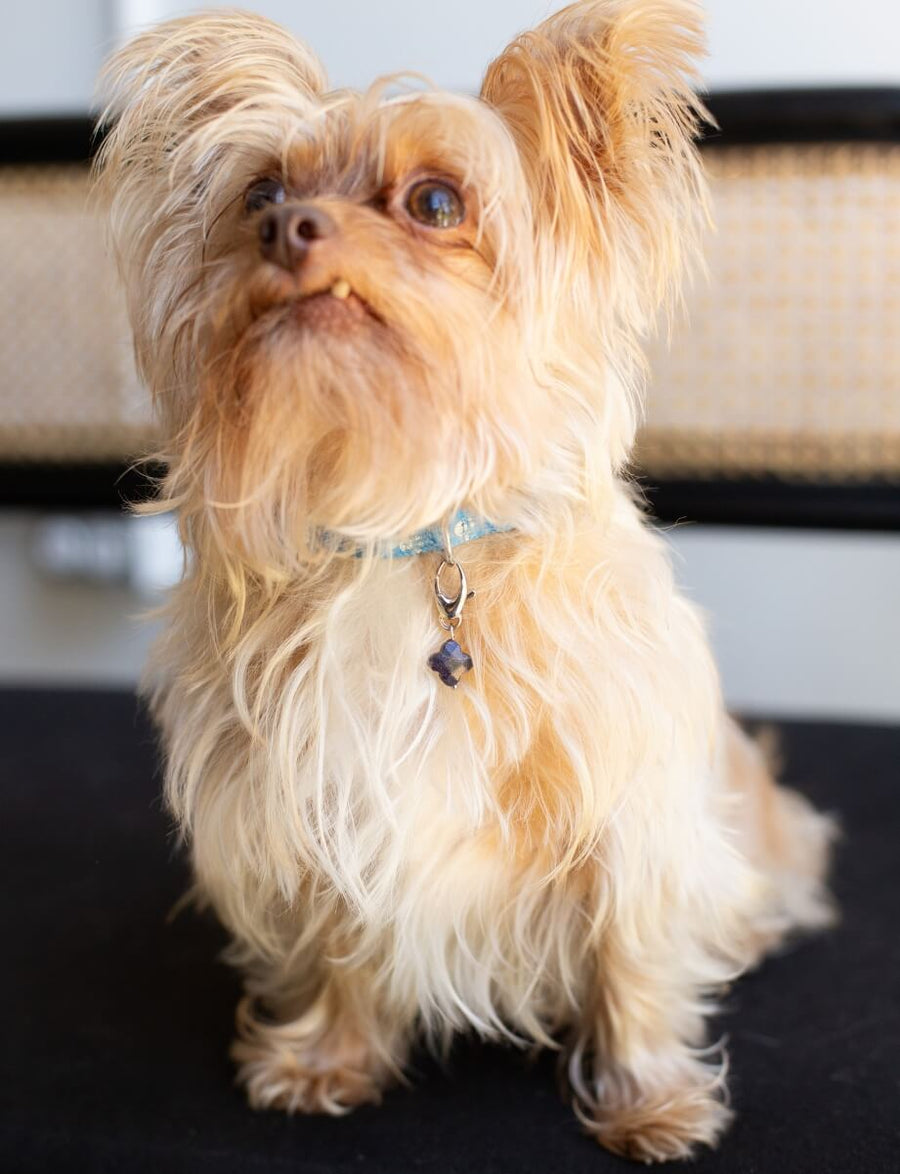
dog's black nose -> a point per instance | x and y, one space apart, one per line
287 232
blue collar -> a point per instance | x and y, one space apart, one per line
464 527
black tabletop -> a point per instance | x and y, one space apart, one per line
117 1018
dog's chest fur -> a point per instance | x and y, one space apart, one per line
437 836
441 890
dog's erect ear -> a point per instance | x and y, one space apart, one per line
193 106
599 101
178 75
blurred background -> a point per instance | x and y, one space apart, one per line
771 453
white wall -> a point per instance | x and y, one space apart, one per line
359 39
59 631
803 623
803 42
50 50
752 42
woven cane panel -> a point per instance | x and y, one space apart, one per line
789 360
68 390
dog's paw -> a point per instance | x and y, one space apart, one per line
659 1129
284 1081
306 1065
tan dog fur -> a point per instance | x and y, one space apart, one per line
575 848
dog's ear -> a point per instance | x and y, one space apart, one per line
192 107
177 76
600 103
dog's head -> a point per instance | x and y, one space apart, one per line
361 311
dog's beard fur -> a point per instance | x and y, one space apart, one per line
506 358
577 842
373 428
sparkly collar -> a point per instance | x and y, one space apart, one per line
463 527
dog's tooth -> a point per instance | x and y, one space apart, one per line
341 289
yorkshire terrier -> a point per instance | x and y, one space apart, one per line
394 343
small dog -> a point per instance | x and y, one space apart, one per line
393 338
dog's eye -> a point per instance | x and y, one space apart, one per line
435 204
265 191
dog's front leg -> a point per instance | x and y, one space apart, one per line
641 1085
336 1051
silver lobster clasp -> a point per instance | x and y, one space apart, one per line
451 605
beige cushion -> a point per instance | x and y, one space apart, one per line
68 389
789 359
787 362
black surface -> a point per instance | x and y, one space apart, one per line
61 138
45 485
762 501
810 114
117 1023
769 501
747 116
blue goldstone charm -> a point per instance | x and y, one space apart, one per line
450 663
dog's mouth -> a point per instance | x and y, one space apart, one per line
339 307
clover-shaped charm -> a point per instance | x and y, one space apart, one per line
450 663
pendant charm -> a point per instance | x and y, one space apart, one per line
450 663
